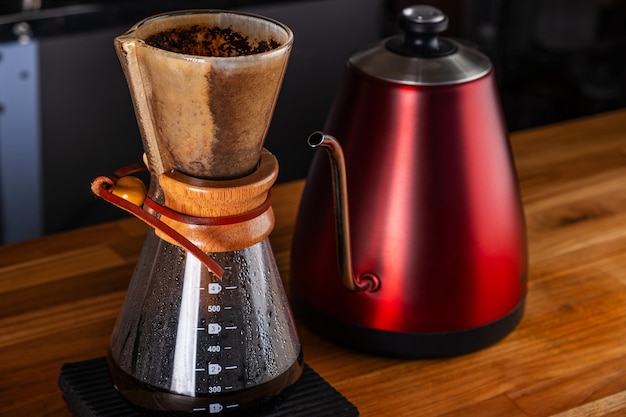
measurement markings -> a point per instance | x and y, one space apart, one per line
230 328
230 368
214 369
214 328
215 288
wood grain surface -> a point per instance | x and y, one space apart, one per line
60 295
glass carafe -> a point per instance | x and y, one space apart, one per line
204 84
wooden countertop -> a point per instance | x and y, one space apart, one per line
60 295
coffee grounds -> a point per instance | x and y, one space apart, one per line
208 41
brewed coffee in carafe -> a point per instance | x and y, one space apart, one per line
205 327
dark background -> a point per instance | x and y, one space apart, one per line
554 59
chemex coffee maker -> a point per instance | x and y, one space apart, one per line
410 237
205 326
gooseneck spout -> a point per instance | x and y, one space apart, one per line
365 281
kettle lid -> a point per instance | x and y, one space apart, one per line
421 56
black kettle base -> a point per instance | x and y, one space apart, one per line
406 345
89 392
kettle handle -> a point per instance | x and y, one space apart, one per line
365 281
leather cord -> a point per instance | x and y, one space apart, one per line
103 186
209 221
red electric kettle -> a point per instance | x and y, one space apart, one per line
429 258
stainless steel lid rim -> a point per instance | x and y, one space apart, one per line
466 64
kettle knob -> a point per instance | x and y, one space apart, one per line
421 25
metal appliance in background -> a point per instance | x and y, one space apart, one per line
205 326
429 259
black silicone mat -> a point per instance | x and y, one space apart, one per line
88 392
